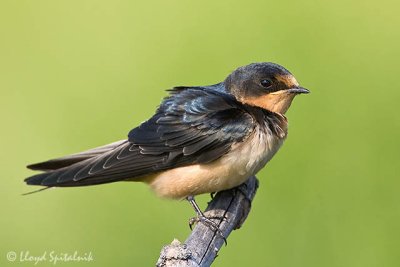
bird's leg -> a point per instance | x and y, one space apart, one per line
212 195
199 213
202 218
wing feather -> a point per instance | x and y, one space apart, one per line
191 126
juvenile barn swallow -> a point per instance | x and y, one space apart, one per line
202 139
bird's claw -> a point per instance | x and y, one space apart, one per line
192 221
209 223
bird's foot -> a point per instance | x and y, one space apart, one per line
209 223
205 220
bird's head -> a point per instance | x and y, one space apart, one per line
265 85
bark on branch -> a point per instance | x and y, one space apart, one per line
229 210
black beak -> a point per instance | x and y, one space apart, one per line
298 90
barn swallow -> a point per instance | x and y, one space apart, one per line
201 139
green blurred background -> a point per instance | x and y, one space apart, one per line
79 74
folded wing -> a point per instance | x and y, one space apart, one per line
193 125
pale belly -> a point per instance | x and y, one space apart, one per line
245 159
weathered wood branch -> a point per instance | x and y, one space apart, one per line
229 210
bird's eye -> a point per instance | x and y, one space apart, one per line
266 83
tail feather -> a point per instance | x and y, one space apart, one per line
96 166
59 163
